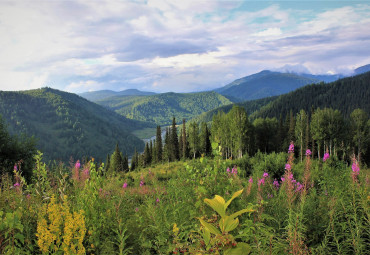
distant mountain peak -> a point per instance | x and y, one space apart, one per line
362 69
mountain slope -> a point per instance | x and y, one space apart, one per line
264 84
345 95
102 94
250 107
161 108
68 125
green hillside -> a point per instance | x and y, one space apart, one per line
161 108
345 95
102 94
265 84
67 125
250 107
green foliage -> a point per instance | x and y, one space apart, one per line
162 107
67 125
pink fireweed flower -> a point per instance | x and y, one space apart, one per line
250 180
282 179
157 200
15 168
308 152
234 171
261 182
290 176
124 185
77 165
265 175
299 186
136 209
326 157
142 183
276 183
16 184
228 170
291 147
288 167
355 168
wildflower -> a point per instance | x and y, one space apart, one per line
141 183
276 183
234 171
291 147
326 157
265 175
288 167
299 187
355 168
157 200
270 195
250 180
308 152
77 165
228 170
16 184
15 168
261 181
290 176
124 185
282 179
136 209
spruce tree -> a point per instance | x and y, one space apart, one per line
116 161
107 163
180 145
174 141
184 142
158 146
125 163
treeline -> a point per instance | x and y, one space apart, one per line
233 135
16 152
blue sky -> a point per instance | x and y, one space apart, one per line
175 45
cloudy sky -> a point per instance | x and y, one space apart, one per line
174 45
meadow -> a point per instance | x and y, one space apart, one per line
265 204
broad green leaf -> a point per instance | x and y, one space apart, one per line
234 215
206 236
228 224
240 249
235 195
217 204
210 227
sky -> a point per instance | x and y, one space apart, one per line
175 45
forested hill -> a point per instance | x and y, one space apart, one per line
345 95
249 106
102 94
265 84
161 108
68 125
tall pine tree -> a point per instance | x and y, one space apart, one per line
158 145
174 142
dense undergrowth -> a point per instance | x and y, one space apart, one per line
283 207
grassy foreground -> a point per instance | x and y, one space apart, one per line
277 206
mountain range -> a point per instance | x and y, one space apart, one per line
67 125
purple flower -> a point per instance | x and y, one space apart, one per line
270 195
136 209
291 147
77 165
288 167
326 157
355 168
15 168
282 179
141 183
157 201
124 185
276 183
308 152
290 177
16 184
228 170
250 180
261 181
234 171
265 175
299 186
